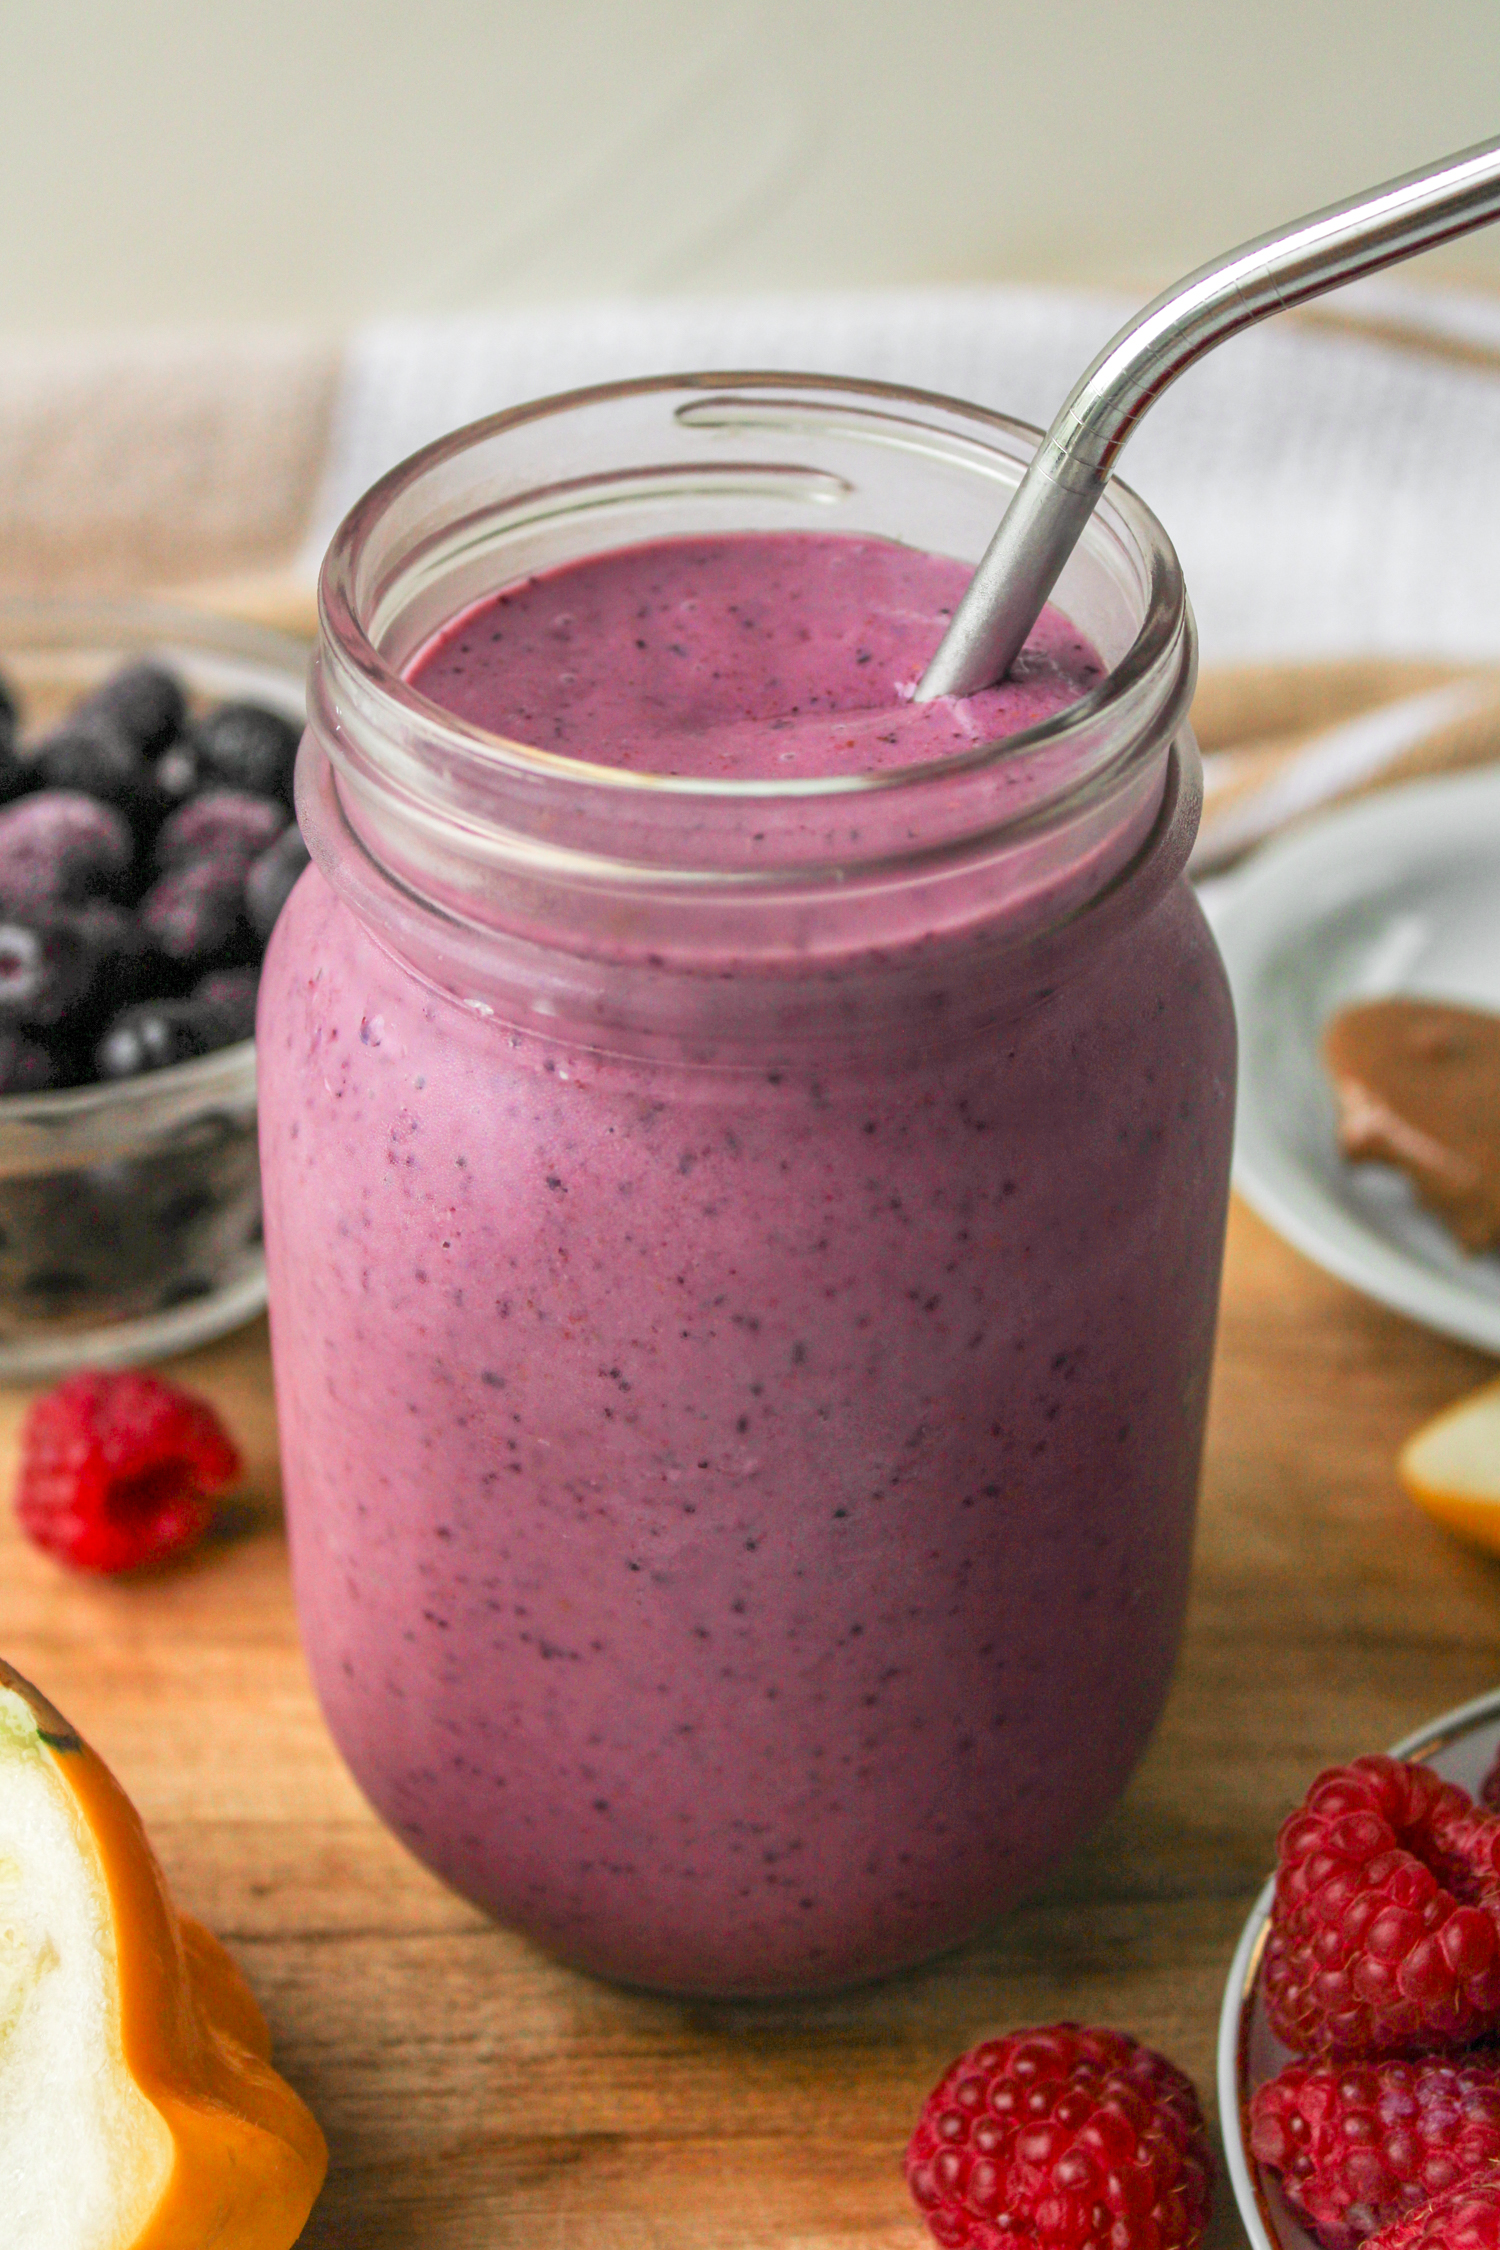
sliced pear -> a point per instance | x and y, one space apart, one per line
138 2107
1452 1467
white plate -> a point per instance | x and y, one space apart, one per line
1461 1747
1399 893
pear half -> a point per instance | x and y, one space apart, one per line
138 2107
1452 1467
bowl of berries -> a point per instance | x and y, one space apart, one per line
147 842
1359 2044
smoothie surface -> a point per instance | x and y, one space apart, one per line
750 656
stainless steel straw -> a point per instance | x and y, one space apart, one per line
1062 486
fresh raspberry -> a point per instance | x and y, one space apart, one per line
1466 2217
1489 1788
117 1471
1360 2144
1385 1930
1076 2139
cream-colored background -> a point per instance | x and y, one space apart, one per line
322 161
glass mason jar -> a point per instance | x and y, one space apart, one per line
743 1254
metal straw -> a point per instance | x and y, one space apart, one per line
1062 486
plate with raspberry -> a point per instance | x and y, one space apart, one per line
1359 2042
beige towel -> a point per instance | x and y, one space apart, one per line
148 461
1282 743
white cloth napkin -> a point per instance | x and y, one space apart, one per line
1331 480
1332 483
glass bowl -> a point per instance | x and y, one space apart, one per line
1460 1746
130 1212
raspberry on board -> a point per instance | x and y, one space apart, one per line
1385 1928
1357 2145
118 1471
1065 2138
1466 2217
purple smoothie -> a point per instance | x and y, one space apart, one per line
741 1513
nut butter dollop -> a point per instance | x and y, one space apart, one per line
1418 1085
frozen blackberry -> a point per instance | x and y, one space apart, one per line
60 844
46 967
92 754
272 879
195 914
143 702
245 746
218 823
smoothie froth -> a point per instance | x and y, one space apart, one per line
781 657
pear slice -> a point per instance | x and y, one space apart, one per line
1452 1467
138 2108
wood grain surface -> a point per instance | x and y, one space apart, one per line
475 2094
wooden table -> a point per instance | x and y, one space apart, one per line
475 2094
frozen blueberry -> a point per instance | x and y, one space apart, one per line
151 1036
177 773
219 823
25 1067
91 754
141 701
59 844
227 1001
17 774
127 965
269 883
244 746
46 967
157 1033
195 914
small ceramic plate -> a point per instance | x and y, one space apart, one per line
1397 894
1461 1747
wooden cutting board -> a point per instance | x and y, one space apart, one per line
474 2094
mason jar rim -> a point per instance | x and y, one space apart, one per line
356 658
